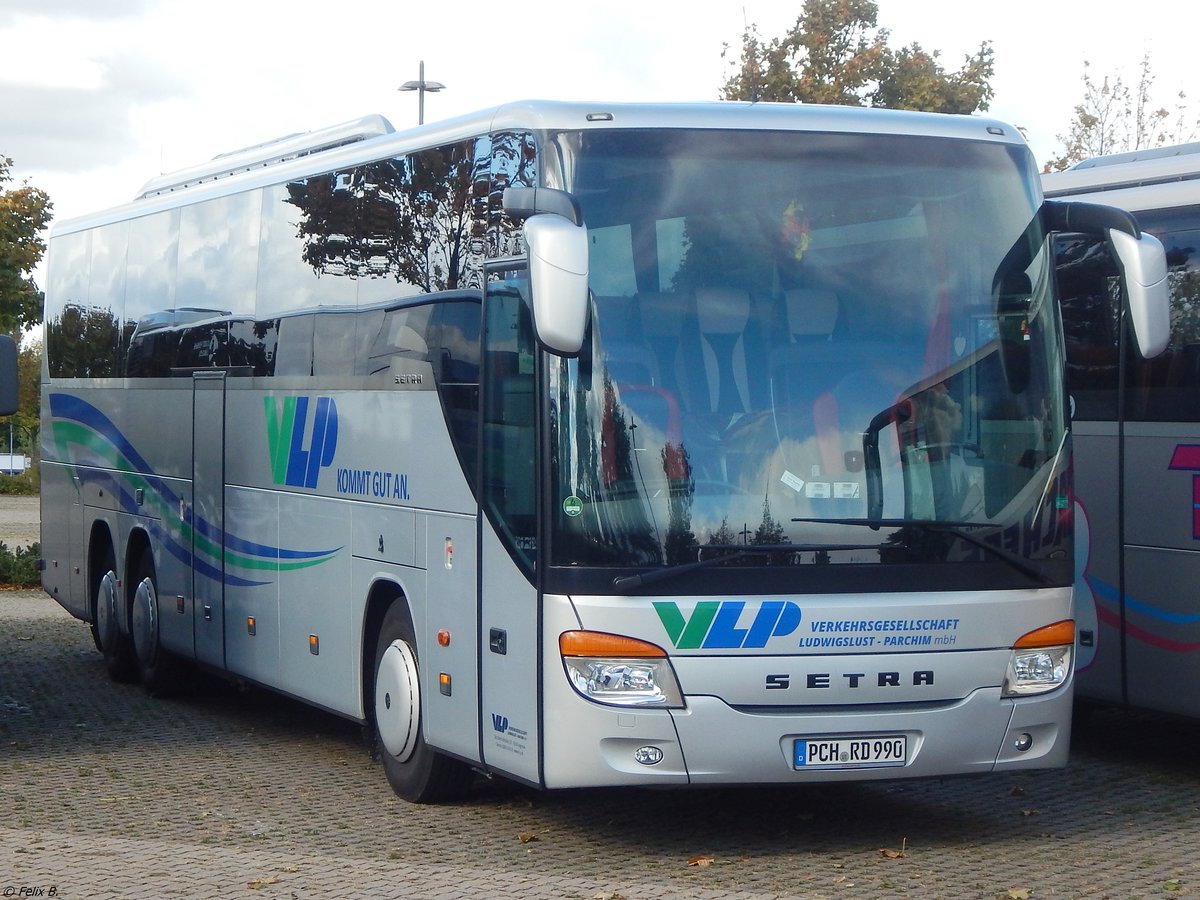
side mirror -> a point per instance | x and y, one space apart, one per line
1142 259
9 395
558 265
558 281
1144 264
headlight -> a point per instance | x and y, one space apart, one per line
621 671
1035 665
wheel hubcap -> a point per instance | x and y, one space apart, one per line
145 627
397 700
106 611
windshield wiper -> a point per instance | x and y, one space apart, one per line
625 582
632 581
955 529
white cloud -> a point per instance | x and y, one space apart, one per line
98 97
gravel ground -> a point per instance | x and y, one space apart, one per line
20 520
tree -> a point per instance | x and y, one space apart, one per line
24 213
837 54
1113 118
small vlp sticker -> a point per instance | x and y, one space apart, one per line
572 506
795 482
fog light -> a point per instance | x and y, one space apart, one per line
648 755
1023 742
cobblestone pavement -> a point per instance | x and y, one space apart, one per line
105 792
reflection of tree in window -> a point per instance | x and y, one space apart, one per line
680 544
426 219
1183 277
513 164
408 218
82 343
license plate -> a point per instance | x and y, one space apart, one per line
850 752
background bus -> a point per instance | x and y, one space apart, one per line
586 445
1137 440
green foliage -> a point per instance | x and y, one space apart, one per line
27 484
24 213
18 568
837 54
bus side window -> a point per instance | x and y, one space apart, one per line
1167 388
1089 290
509 422
453 338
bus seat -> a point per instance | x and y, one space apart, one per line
807 352
723 316
812 314
663 318
626 354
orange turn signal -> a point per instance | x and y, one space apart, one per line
1048 635
598 643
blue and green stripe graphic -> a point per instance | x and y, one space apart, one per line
86 436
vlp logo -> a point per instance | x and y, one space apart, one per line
288 429
499 723
717 625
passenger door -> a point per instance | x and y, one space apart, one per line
206 518
509 617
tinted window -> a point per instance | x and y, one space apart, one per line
1167 388
453 340
150 270
1089 288
218 254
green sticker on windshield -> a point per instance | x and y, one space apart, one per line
573 506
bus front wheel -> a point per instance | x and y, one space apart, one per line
415 770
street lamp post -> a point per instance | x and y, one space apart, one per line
421 86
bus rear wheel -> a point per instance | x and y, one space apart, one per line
109 636
415 770
158 668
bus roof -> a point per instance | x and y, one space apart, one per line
372 137
1125 171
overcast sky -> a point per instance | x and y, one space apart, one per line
98 96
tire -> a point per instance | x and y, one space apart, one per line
158 669
111 639
416 772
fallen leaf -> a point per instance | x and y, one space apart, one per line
1029 812
702 861
896 854
1017 791
1019 894
608 895
1173 884
525 837
258 883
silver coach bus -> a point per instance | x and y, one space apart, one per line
589 444
1137 440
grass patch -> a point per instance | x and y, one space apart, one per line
27 484
18 568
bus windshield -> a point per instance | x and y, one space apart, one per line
809 344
